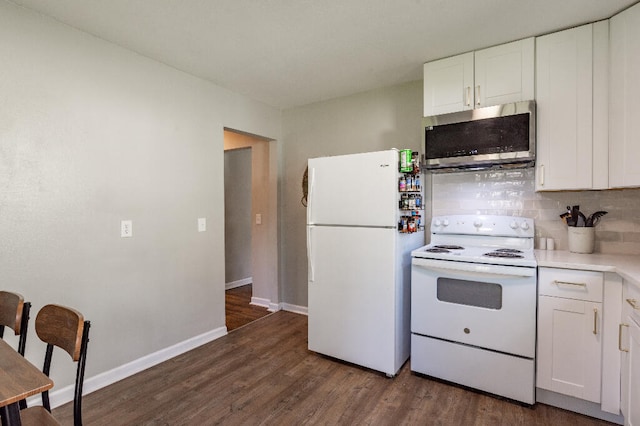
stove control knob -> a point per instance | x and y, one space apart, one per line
437 222
524 226
477 224
513 225
445 222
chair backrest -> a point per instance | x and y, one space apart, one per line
66 328
14 313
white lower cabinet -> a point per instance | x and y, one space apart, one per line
629 345
569 347
631 375
570 323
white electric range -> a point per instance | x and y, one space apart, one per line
473 304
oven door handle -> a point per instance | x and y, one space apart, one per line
474 269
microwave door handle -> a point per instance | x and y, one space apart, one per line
475 270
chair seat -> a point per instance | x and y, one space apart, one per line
37 416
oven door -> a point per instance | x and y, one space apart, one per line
488 306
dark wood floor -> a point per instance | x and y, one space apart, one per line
239 311
263 374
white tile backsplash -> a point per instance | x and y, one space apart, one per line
512 193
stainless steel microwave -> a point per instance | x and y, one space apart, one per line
492 137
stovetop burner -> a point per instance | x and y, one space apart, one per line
448 247
437 250
481 239
504 254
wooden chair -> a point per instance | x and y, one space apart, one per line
66 328
14 313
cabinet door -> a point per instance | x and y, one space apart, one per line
564 98
504 73
569 352
448 85
624 110
631 375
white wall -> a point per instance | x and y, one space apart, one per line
90 134
369 121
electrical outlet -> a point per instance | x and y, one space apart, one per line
258 219
126 228
202 224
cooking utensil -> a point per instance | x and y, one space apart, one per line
577 217
594 218
582 219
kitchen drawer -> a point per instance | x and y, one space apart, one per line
571 284
631 302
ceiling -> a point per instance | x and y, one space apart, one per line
289 53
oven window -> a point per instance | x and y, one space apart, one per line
472 293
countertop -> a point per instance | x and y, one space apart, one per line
627 266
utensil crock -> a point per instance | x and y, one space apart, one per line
581 239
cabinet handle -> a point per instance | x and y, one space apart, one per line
542 175
556 282
620 337
478 95
634 304
595 320
468 101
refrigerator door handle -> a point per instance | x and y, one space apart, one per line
310 255
311 183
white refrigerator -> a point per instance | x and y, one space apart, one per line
359 263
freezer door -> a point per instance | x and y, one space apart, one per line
358 189
353 300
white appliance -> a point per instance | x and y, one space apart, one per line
473 304
359 263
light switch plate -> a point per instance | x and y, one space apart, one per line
258 219
126 228
202 224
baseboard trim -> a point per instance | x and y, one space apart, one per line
576 405
258 301
64 395
303 310
274 307
238 283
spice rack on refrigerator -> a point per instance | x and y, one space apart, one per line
410 201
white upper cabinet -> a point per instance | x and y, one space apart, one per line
624 109
492 76
571 92
448 84
504 73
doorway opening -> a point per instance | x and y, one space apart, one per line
250 228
